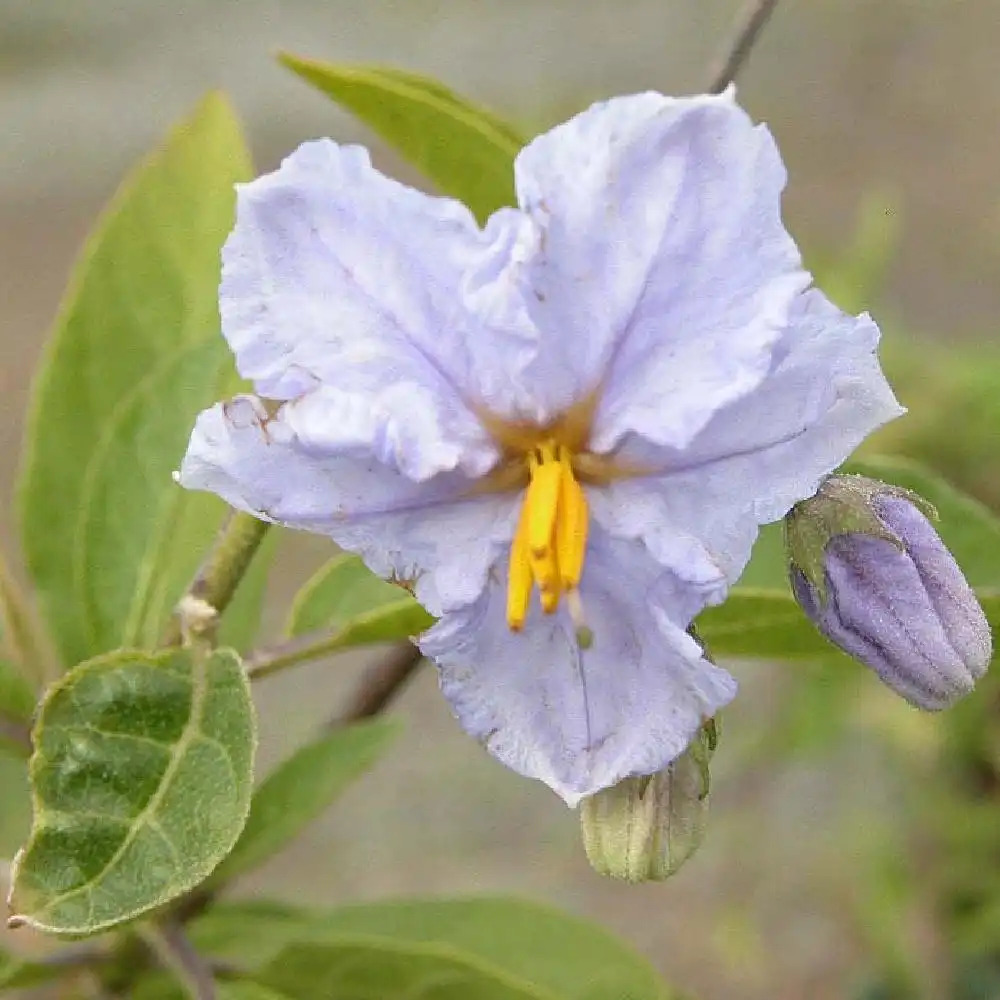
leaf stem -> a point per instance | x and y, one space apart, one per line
310 646
280 656
746 30
224 567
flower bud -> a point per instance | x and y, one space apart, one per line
645 828
872 574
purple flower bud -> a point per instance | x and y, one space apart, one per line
872 574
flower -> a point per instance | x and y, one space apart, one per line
565 428
872 574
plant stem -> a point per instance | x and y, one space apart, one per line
380 684
273 659
224 567
746 30
167 940
304 648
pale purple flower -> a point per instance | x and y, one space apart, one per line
640 325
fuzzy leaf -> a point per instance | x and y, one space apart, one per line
141 781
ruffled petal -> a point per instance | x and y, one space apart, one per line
309 465
757 457
581 720
651 255
337 275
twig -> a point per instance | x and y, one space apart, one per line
380 684
216 581
167 940
747 28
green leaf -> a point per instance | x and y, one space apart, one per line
467 151
763 624
345 596
559 955
135 353
300 788
141 782
768 566
969 529
360 969
128 572
551 953
249 933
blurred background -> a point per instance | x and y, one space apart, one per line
830 869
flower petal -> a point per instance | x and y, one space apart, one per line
338 275
653 259
310 466
581 720
763 453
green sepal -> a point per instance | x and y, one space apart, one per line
841 506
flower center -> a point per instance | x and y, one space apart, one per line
551 538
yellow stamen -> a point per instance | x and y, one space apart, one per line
520 578
550 600
571 526
542 500
551 538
